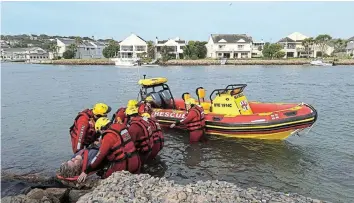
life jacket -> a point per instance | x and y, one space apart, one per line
120 114
156 132
198 122
122 149
88 137
143 143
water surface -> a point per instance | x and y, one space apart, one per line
39 103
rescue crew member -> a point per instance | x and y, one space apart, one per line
117 148
194 121
82 132
120 115
141 132
157 136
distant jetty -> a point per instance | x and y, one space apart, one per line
199 62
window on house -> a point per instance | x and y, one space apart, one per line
140 48
127 48
240 46
244 55
221 46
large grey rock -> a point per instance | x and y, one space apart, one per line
18 199
58 193
36 193
74 195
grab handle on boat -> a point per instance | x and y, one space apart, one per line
312 108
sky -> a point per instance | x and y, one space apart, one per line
268 21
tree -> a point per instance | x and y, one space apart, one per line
165 52
68 54
150 50
200 49
111 50
270 50
339 45
73 48
55 49
308 43
78 41
195 50
279 54
187 51
322 41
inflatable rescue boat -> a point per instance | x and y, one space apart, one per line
229 113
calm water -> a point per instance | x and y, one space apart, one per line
39 103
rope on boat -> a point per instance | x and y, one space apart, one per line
300 130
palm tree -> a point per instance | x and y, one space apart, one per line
308 43
339 45
150 50
322 41
73 48
187 51
55 49
78 41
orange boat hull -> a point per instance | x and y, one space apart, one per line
274 121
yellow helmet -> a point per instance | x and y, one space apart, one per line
101 109
131 110
190 101
149 99
101 122
132 103
145 115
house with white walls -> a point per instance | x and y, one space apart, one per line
293 48
174 46
24 54
257 48
229 46
350 47
132 46
85 50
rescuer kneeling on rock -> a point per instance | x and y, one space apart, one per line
117 148
194 121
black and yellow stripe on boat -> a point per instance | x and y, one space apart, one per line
254 127
260 127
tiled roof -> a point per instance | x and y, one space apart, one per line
231 38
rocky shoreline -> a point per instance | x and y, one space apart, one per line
199 62
125 187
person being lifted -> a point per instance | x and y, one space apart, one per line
117 147
82 132
194 121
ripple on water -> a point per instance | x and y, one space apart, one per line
39 104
